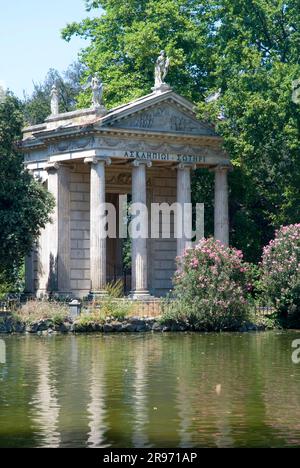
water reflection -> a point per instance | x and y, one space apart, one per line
140 396
45 406
96 406
189 390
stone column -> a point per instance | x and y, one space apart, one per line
64 231
54 244
139 245
221 204
184 199
29 273
97 226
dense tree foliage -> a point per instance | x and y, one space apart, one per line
24 203
248 49
37 106
255 48
126 40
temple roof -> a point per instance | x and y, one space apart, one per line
156 112
161 126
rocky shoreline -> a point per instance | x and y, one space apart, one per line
129 325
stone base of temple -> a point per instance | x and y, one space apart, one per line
140 296
43 294
97 295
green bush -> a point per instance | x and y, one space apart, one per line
110 306
280 274
211 288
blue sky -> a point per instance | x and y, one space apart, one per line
30 40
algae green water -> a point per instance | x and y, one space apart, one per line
172 390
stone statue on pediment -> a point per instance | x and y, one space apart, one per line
54 100
95 84
161 70
97 90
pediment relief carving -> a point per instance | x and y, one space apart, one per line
164 117
72 145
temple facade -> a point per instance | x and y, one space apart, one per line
147 150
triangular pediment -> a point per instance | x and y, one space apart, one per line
163 115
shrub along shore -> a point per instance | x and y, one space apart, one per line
214 290
108 316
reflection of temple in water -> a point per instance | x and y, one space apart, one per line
96 407
152 391
44 404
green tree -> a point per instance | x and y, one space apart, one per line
256 44
248 49
127 38
24 203
37 106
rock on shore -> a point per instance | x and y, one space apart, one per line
128 325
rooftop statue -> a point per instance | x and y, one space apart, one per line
96 85
54 100
97 88
161 70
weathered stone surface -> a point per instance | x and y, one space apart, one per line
19 327
157 327
32 328
164 117
6 326
64 327
108 328
128 328
129 325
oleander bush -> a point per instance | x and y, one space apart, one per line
211 288
280 274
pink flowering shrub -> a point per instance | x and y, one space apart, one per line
280 275
211 287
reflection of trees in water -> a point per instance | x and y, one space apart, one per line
235 416
281 386
17 386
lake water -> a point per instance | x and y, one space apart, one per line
171 390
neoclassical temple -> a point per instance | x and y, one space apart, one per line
147 149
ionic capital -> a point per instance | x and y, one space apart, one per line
93 160
183 165
52 166
139 162
224 166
